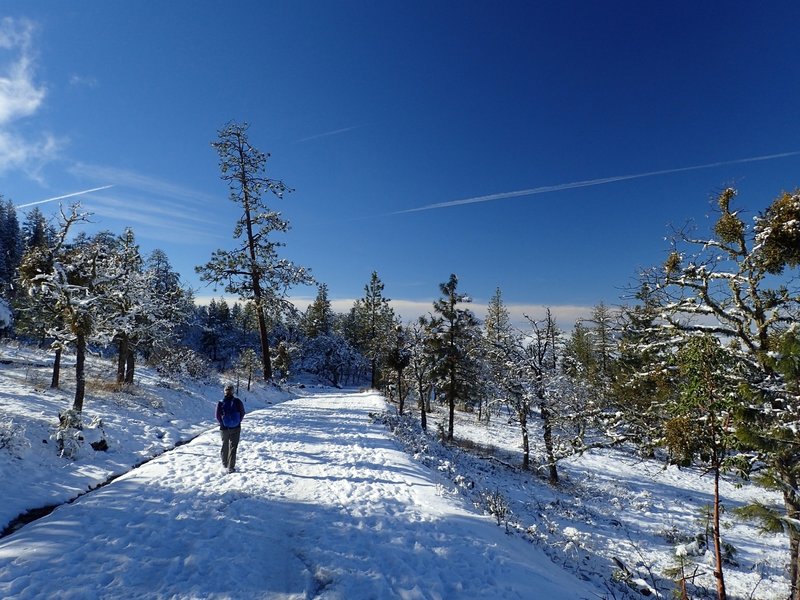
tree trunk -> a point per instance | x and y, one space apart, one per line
792 504
374 374
263 335
423 418
718 574
400 397
129 366
526 447
122 358
56 368
255 274
451 402
794 550
80 372
547 435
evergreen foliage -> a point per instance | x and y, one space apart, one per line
36 231
11 248
644 382
318 319
498 337
253 270
454 332
700 427
373 324
73 279
727 287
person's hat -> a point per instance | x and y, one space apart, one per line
228 387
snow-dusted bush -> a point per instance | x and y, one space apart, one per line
12 437
332 358
71 435
182 362
495 504
68 434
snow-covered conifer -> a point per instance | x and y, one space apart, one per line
11 248
498 335
373 326
74 278
740 285
318 319
700 425
454 332
253 270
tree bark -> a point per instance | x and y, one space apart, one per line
122 358
547 435
718 574
80 372
526 446
400 397
266 363
129 366
54 381
451 402
423 418
792 504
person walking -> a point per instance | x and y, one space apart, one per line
230 412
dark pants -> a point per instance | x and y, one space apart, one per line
230 441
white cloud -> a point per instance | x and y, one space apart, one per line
17 152
20 96
157 209
137 181
82 81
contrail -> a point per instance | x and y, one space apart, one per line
588 182
105 187
328 134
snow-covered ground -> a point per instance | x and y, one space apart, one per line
610 504
329 502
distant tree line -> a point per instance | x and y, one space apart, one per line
701 366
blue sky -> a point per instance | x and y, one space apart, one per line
385 116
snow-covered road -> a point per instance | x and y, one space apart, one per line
324 505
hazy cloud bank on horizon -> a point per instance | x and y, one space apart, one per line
410 310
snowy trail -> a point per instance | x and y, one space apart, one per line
324 505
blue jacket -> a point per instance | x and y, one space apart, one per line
239 407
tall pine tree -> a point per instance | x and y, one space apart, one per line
374 321
253 270
453 330
318 319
